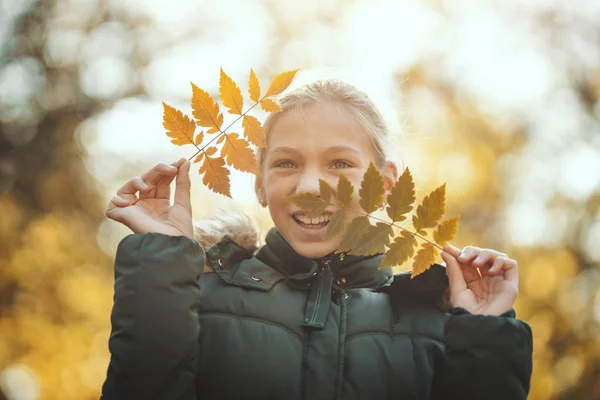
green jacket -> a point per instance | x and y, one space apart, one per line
277 325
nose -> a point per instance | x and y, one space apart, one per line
309 181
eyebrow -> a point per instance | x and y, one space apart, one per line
332 149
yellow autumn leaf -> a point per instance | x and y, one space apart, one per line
238 154
399 251
253 131
344 191
431 210
206 110
325 190
336 224
230 94
199 138
354 233
371 190
179 126
280 83
424 259
210 151
446 231
199 157
311 204
374 241
401 197
253 87
269 105
216 175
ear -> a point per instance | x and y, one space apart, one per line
259 189
390 175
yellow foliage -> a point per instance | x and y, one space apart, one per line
180 127
371 189
359 237
216 176
253 87
230 94
206 110
235 151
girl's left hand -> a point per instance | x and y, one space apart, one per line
491 292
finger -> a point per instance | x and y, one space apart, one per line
503 265
158 172
163 187
178 163
119 201
454 251
455 276
485 256
131 187
468 253
511 271
182 187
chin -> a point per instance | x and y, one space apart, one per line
313 250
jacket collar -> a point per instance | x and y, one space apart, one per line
353 271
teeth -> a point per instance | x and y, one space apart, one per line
313 221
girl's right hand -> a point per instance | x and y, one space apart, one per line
152 211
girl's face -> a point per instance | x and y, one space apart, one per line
321 143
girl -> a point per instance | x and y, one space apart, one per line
292 319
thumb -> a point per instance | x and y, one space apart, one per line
455 276
182 186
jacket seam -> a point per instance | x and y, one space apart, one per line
253 319
349 338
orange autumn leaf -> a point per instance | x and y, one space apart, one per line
325 190
179 126
210 151
253 131
199 138
345 191
431 210
308 201
199 157
253 87
230 94
269 105
355 231
206 110
401 197
400 250
216 175
280 83
336 224
446 230
374 241
238 154
424 259
371 190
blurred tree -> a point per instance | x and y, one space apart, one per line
56 283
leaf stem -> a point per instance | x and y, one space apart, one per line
222 131
392 224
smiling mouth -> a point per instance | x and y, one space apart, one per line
313 223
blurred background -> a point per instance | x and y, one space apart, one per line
500 99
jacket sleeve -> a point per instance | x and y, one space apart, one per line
155 326
485 357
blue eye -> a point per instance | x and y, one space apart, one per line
343 164
284 163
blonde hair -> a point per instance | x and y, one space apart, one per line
237 225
